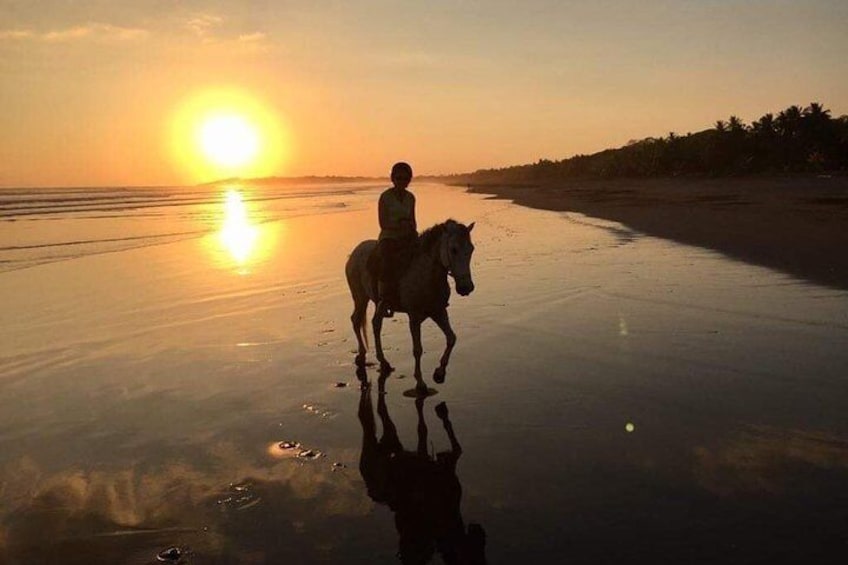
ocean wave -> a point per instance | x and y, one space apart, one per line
40 226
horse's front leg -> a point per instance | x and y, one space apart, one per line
417 350
377 325
443 322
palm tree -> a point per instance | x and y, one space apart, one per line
735 124
764 141
788 121
819 135
792 152
764 127
841 127
817 112
815 120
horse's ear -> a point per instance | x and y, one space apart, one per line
471 226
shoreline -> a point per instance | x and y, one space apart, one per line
796 225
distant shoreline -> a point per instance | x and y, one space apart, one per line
292 180
795 224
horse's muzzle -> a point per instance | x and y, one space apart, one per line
464 288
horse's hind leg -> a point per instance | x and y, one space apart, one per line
360 309
358 285
377 324
443 322
389 440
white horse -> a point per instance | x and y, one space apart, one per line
423 290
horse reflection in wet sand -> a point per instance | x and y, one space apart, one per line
423 491
441 251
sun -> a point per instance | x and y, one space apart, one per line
229 140
221 133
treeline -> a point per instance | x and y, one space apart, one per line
795 140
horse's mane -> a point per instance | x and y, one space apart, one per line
431 235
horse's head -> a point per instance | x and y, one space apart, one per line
456 253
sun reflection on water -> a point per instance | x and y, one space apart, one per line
238 235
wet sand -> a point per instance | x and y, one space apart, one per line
793 224
615 395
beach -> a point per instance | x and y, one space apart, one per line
177 373
795 224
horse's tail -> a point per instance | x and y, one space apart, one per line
356 272
363 324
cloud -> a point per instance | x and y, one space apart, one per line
16 34
92 31
145 502
252 37
68 34
215 30
761 459
256 42
202 25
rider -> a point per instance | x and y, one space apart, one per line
398 233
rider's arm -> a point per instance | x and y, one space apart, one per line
383 213
409 224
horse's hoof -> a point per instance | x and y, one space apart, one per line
442 410
439 375
420 392
362 374
359 361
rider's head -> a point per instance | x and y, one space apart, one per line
401 174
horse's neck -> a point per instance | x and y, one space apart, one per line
429 261
425 285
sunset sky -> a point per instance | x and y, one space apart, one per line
104 92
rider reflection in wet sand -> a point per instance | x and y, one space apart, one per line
423 491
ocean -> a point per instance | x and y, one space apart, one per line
52 224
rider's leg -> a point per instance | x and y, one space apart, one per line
388 282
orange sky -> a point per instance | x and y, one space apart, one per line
91 91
